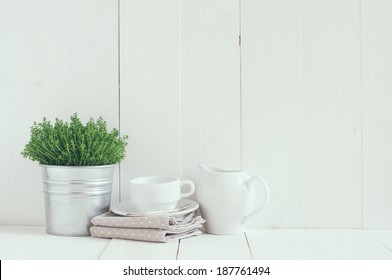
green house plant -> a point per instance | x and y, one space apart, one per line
77 164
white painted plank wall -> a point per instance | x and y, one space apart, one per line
149 88
272 107
57 57
304 102
377 113
332 113
210 85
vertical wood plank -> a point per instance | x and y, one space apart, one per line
57 57
377 117
332 113
272 107
305 137
149 88
210 96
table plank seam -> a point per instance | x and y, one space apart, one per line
104 249
249 247
379 240
178 248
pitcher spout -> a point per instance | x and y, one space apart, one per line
201 171
204 172
207 168
204 168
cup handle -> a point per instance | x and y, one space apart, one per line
187 183
249 183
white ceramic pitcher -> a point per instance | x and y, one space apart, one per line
228 198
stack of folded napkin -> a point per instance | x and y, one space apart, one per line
163 228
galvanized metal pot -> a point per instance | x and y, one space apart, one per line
74 195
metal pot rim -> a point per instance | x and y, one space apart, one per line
77 166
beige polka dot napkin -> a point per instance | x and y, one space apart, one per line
146 228
141 234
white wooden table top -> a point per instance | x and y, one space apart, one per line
21 242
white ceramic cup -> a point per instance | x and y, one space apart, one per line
158 193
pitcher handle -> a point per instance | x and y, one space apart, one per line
264 184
